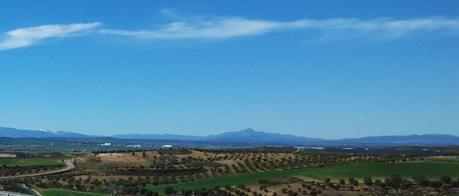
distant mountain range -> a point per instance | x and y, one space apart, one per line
157 137
22 133
250 136
258 137
244 136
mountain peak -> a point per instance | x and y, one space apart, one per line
248 130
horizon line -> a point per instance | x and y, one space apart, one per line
185 135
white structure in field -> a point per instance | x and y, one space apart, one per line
7 155
134 146
167 146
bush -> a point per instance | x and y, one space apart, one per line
353 181
455 183
435 184
378 182
368 181
421 181
445 179
169 190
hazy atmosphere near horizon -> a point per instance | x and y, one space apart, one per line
322 69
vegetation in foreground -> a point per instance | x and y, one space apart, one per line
260 171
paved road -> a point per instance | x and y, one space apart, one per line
68 166
33 191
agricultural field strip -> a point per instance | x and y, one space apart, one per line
357 170
60 192
21 162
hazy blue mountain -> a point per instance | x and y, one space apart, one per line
70 134
157 137
428 139
244 136
19 133
258 137
22 133
250 136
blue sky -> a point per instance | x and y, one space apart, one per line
330 69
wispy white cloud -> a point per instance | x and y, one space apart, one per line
24 37
228 27
386 27
206 29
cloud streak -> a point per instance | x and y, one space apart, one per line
229 27
207 29
218 28
24 37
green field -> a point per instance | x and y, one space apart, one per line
62 192
432 170
29 161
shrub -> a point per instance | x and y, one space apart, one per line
445 179
368 181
